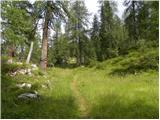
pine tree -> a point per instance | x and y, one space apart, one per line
17 24
106 37
95 37
77 26
49 10
131 13
141 20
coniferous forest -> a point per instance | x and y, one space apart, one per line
59 62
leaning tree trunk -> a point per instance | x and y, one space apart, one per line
30 53
43 62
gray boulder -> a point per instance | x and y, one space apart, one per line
28 95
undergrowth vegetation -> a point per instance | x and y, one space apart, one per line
132 63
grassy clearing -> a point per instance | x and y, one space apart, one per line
100 93
132 96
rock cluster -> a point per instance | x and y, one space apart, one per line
27 71
24 85
22 71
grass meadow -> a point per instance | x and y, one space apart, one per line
82 92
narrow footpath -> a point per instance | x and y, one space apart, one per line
82 104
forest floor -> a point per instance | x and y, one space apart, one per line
81 92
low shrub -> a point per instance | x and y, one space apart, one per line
93 63
137 62
11 67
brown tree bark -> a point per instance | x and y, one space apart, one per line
43 61
11 53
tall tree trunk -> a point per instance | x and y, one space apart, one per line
11 54
43 62
80 51
30 53
134 21
79 61
22 52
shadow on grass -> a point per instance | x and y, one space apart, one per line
45 108
112 107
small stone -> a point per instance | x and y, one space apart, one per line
22 71
10 61
28 70
28 85
34 67
21 85
44 86
19 63
13 74
28 95
24 85
36 92
30 74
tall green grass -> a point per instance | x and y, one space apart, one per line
112 89
54 102
132 96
